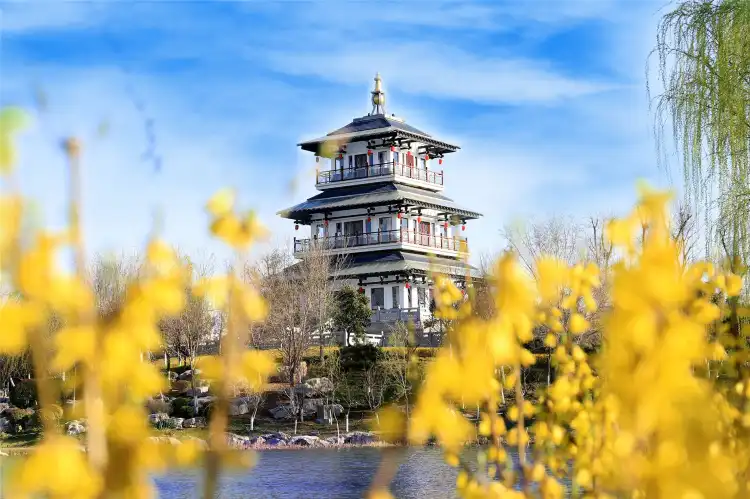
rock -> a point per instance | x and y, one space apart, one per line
305 441
284 411
275 442
4 425
315 386
189 374
194 423
239 406
359 438
310 406
174 423
278 435
75 428
335 440
237 441
202 401
157 417
257 441
172 376
4 406
199 390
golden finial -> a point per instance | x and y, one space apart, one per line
378 97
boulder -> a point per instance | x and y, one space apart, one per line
315 386
237 441
278 435
275 442
174 423
359 438
4 406
334 440
75 428
4 425
310 406
194 423
305 441
172 376
199 390
239 406
202 401
257 441
283 411
157 417
187 375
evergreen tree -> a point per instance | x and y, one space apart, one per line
352 313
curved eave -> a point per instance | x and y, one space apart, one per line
314 145
304 215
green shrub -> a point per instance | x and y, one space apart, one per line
24 394
23 417
359 357
183 408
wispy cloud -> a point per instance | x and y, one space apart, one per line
546 99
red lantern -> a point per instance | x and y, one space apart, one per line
463 227
362 290
369 152
393 148
398 215
296 227
419 220
445 225
408 153
325 223
369 219
440 161
407 285
341 156
426 157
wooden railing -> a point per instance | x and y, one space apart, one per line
382 237
381 170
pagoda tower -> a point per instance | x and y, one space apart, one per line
382 211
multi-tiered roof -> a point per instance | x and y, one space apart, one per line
381 168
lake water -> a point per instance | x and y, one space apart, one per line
322 473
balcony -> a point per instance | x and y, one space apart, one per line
388 238
380 170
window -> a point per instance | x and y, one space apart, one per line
360 161
394 297
377 298
395 157
381 158
424 163
421 297
350 161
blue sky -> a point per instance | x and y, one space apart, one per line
546 98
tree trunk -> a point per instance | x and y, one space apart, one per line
252 422
192 382
295 426
347 421
549 368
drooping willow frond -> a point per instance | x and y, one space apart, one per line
703 50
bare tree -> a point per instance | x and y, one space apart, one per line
376 384
299 296
557 237
684 232
398 364
191 329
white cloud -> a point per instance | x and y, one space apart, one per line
438 70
